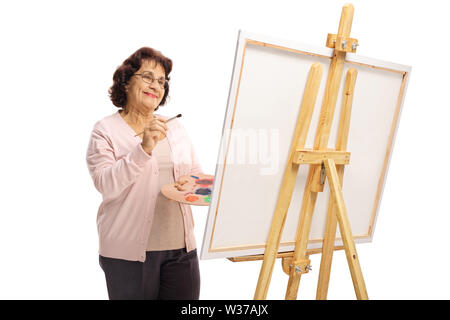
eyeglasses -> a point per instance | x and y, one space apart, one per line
148 77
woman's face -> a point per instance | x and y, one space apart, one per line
142 95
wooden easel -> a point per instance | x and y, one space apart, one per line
322 162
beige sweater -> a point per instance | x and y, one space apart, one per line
167 232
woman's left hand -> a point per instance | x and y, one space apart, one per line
179 184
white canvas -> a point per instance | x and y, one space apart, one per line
266 91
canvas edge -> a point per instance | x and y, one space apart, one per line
208 231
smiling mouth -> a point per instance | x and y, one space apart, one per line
151 95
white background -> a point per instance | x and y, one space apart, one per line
57 61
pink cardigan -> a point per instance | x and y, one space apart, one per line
127 178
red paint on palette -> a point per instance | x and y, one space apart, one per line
191 198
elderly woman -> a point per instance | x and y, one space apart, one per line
146 242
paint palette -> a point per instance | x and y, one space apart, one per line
191 189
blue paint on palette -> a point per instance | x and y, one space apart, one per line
203 191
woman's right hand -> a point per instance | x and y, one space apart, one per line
152 133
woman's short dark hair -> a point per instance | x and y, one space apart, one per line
129 67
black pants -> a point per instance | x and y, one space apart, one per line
168 275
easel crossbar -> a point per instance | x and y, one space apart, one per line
309 156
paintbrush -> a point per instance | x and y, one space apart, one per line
177 116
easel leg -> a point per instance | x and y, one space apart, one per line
288 182
327 252
301 242
331 224
346 232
